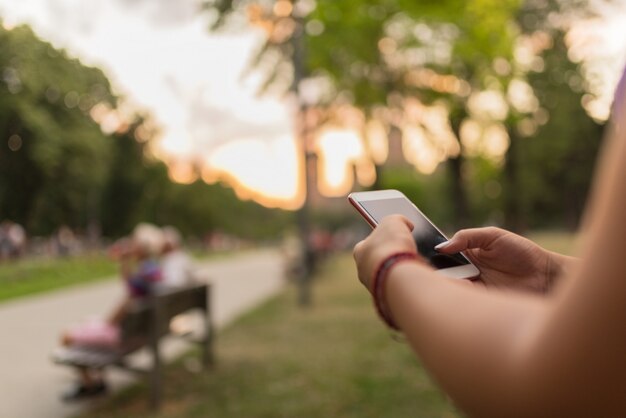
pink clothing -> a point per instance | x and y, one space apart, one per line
95 332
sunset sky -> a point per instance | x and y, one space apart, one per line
161 58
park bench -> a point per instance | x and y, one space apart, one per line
144 327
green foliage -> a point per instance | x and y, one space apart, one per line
563 151
50 143
134 180
139 189
370 51
454 37
198 208
485 191
424 191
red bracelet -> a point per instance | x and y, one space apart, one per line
378 285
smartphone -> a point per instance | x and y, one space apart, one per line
375 205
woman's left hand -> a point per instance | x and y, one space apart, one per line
392 235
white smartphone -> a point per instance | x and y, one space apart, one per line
375 205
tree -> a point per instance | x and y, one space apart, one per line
549 163
53 147
560 157
379 55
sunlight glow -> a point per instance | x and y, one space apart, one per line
377 141
182 172
488 104
596 43
419 151
489 141
338 150
521 96
268 172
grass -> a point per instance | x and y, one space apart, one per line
32 276
334 359
560 241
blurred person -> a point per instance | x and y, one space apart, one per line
543 335
140 271
6 246
17 236
292 251
176 265
12 240
64 241
321 241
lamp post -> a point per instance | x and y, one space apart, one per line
285 27
303 132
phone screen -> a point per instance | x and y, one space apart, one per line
425 234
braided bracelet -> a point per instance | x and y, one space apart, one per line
378 285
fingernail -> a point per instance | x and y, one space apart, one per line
442 245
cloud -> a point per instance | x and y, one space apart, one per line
164 12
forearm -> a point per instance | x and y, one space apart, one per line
470 338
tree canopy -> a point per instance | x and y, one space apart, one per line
485 62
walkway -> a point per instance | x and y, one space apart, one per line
30 384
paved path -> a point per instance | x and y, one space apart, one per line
30 384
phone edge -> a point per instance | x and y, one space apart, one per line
361 211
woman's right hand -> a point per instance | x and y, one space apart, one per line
505 259
392 235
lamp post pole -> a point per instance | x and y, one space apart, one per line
303 214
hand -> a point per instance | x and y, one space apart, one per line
504 259
121 249
391 236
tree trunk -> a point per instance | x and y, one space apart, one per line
458 195
513 201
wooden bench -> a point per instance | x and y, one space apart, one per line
144 326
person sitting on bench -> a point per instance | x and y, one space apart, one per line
140 271
176 264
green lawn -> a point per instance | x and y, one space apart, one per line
333 360
31 276
560 241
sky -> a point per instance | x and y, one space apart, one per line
600 43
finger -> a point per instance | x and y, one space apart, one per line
399 218
470 238
466 282
356 252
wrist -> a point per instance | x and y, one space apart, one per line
379 280
558 265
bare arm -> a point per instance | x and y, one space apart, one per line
512 354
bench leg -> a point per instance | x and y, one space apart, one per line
208 358
155 373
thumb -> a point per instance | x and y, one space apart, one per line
470 238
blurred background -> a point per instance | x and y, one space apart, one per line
245 123
181 113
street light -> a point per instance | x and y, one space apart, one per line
284 25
